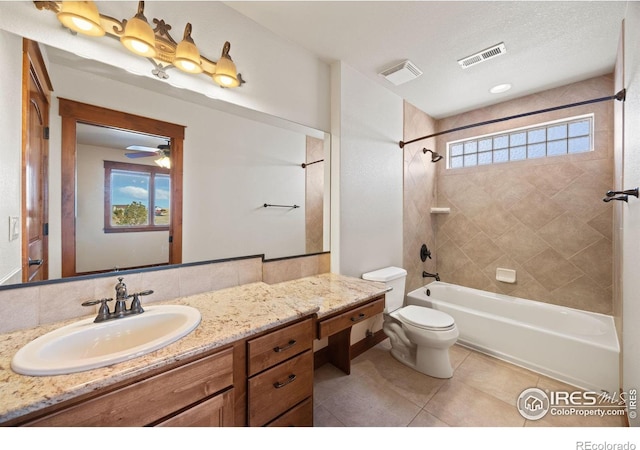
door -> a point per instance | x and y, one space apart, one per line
35 162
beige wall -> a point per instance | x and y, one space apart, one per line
545 217
419 196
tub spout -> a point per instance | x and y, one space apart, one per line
431 275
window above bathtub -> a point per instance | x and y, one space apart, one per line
560 137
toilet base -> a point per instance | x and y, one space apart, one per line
432 362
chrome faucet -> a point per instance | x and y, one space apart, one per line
431 275
120 309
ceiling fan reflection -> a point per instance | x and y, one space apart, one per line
163 152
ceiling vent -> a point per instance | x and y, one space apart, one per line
403 72
483 55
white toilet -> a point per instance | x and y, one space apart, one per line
420 336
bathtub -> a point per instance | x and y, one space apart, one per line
576 347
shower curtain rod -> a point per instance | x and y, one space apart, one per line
620 96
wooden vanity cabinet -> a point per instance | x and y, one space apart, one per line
197 393
337 327
280 377
261 380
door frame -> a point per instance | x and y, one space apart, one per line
72 113
34 67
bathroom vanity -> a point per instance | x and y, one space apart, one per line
249 362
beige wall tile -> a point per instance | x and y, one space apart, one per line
481 250
568 235
419 196
505 262
37 305
583 293
551 270
603 223
165 285
535 212
249 271
521 243
596 261
19 308
62 301
494 220
292 268
460 229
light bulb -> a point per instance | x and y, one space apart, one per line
82 24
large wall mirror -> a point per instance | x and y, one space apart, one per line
233 162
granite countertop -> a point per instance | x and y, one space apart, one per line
228 315
333 293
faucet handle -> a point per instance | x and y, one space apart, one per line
136 307
95 302
103 312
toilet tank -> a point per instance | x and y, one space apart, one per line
393 277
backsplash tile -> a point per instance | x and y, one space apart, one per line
31 306
19 308
288 269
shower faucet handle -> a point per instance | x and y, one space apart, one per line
633 192
424 253
622 198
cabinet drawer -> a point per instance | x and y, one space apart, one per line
299 416
275 347
276 390
215 412
152 399
349 318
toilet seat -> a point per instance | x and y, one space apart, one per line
426 318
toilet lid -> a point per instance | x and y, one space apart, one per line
423 317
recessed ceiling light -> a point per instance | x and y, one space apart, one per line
499 89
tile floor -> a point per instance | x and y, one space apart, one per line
383 392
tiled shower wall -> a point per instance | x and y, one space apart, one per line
419 196
545 218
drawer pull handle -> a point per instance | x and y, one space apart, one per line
359 318
279 349
279 385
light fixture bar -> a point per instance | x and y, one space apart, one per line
155 44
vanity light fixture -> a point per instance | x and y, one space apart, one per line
155 44
82 17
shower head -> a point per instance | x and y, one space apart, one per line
435 156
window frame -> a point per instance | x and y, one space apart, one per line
138 168
507 134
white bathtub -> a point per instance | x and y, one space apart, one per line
577 347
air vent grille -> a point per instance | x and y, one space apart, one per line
483 55
401 73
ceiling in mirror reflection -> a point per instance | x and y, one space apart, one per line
114 138
83 64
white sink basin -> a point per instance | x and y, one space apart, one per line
86 345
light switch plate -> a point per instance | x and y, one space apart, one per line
14 228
